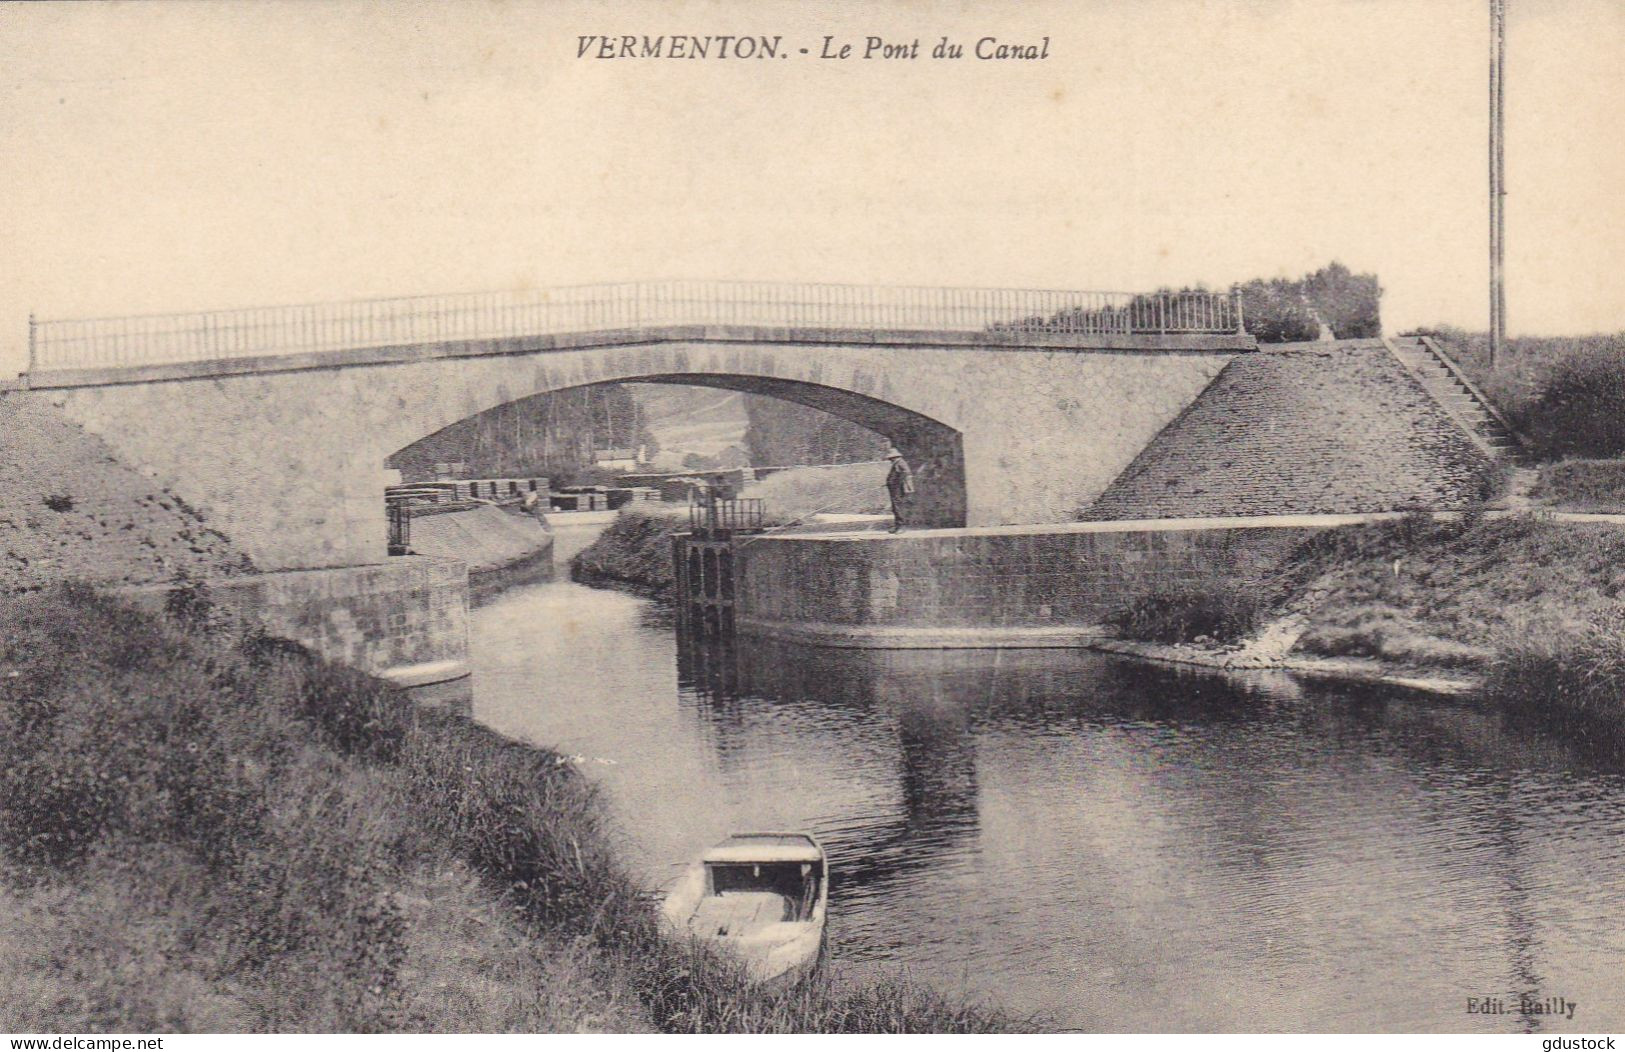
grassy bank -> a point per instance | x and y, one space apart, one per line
634 551
1532 609
1582 485
207 829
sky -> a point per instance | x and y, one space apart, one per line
183 156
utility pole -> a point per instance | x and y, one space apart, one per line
1498 295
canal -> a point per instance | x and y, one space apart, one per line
1115 845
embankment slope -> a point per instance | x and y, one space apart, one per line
70 510
486 538
1299 430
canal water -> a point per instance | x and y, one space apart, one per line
1113 845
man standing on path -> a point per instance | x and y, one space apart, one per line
900 484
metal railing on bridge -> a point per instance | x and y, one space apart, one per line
210 335
726 515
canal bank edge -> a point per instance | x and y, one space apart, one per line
1028 576
502 548
510 836
404 620
1434 602
1359 670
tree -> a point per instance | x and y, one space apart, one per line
780 433
1579 405
1348 302
1275 311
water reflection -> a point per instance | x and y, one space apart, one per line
1118 845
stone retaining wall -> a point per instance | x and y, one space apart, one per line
70 511
405 619
1007 587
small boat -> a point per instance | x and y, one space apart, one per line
763 896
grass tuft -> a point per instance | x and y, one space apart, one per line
1582 485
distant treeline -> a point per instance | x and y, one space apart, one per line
780 433
1274 310
552 434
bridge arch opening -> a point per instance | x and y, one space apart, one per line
933 450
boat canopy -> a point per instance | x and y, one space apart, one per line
765 847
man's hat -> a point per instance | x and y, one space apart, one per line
892 454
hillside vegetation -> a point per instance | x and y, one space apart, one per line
1566 398
1534 607
1565 394
782 433
800 493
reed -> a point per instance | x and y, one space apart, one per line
1571 673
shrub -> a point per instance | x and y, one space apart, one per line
635 549
1220 609
1579 406
1568 672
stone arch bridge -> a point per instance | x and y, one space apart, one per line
1014 406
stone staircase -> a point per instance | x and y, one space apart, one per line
1450 387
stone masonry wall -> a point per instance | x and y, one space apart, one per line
410 611
1304 429
1006 586
70 510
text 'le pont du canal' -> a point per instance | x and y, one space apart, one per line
830 47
